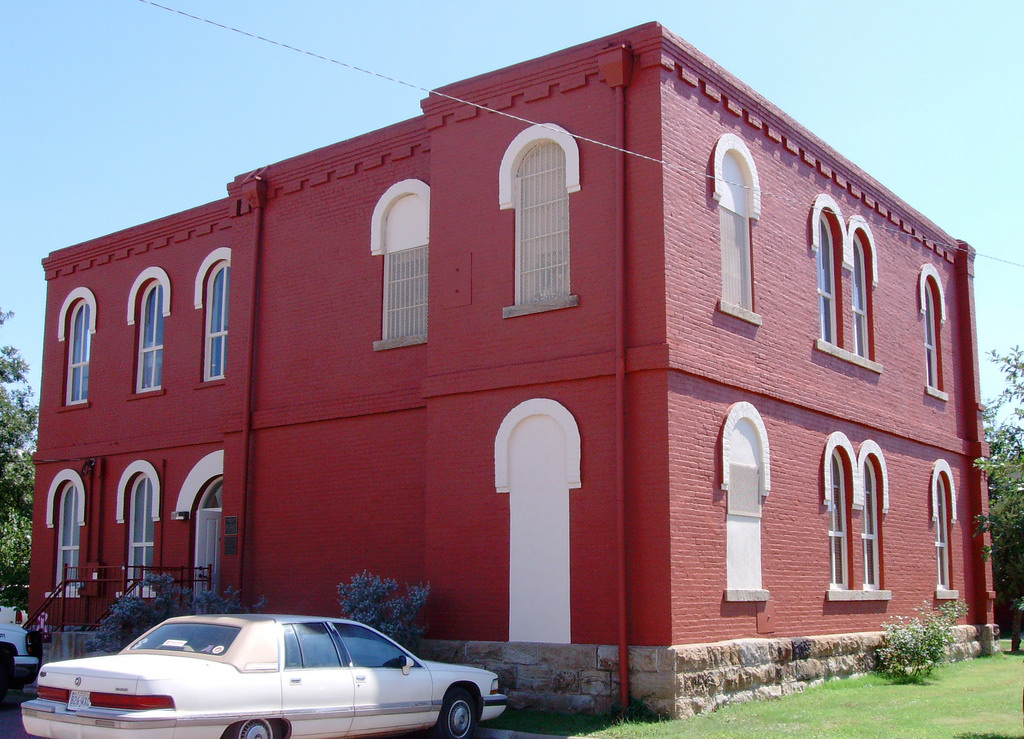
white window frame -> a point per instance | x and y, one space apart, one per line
944 516
933 309
75 301
869 532
151 349
739 203
216 345
405 292
859 303
78 354
826 283
141 547
69 552
510 195
838 528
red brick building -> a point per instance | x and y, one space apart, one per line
603 346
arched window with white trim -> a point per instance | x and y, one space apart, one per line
212 292
538 172
77 319
943 494
151 339
78 354
828 241
861 300
400 231
746 480
933 310
71 517
739 203
141 535
841 481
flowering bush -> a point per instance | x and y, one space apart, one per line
131 615
915 646
371 600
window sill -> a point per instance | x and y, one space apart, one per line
936 393
941 594
77 406
399 341
839 353
217 382
147 394
746 596
858 595
525 309
738 312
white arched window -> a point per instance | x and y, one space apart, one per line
933 309
746 479
212 292
943 495
80 305
140 551
865 277
400 231
739 202
78 354
828 241
151 339
840 483
539 170
69 533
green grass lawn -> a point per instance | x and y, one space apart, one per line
979 699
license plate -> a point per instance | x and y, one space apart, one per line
78 699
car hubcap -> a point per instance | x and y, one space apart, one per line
255 730
459 718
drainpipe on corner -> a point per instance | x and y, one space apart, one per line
616 66
254 190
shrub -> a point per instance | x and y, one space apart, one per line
131 615
915 646
371 600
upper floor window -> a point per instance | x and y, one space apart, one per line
828 237
864 278
400 231
151 339
933 308
78 363
81 304
212 291
739 202
154 306
538 172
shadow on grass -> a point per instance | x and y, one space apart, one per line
988 736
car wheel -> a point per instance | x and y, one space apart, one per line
255 728
458 715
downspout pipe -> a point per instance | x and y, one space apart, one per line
254 190
616 66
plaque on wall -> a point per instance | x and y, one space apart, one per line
230 545
230 525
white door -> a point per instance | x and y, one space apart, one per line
208 543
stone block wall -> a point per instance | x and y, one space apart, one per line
684 680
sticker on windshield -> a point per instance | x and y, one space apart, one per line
218 649
175 643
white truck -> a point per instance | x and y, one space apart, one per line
20 654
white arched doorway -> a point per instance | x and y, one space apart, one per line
537 462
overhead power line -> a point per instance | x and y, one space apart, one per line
479 106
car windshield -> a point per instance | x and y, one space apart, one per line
191 637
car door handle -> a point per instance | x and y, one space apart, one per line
296 681
360 678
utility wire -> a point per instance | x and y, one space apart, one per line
655 160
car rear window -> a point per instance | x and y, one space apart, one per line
213 639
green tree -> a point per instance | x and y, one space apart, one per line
18 417
1004 431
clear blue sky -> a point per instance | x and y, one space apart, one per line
113 112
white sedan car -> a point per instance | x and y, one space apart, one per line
259 677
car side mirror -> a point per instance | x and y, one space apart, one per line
407 664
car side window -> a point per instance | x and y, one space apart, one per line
368 649
314 644
292 653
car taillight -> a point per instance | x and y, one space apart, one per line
53 694
130 702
